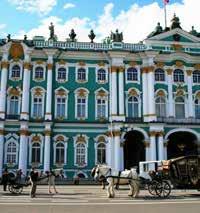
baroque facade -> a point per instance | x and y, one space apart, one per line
73 104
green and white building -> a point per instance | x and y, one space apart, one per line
74 104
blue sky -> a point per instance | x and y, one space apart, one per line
20 17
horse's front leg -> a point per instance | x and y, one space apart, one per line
49 183
109 188
103 185
131 188
112 188
136 189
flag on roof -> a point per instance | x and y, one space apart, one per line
166 1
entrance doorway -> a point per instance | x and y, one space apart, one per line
134 149
181 144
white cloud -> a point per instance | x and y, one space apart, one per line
136 23
42 7
2 27
68 6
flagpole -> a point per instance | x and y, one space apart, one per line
165 10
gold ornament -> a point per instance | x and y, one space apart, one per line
36 138
101 64
179 64
16 50
189 72
132 63
49 66
81 63
14 92
197 66
169 71
161 93
4 64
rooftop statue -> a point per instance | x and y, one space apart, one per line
194 32
72 35
52 33
175 22
8 37
116 37
92 36
158 30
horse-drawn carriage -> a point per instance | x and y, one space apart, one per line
16 183
160 176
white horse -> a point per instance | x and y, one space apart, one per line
115 177
50 177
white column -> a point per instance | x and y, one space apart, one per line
190 97
147 151
121 92
145 93
4 76
165 150
48 115
1 148
170 93
152 146
23 148
114 91
47 145
109 152
151 99
161 155
117 151
25 92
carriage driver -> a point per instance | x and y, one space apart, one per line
34 178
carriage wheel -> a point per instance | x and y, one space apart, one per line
152 187
163 189
15 189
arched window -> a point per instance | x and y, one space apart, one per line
196 76
11 153
61 107
60 153
14 105
197 107
178 75
101 107
39 73
160 107
81 154
35 155
81 75
62 74
101 75
37 106
101 153
15 72
159 75
133 107
81 107
132 74
180 107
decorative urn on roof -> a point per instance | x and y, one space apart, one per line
72 35
92 36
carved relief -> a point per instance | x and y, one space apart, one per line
16 50
179 64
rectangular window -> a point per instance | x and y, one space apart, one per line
81 107
101 108
61 107
37 107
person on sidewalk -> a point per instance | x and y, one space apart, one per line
5 179
34 178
